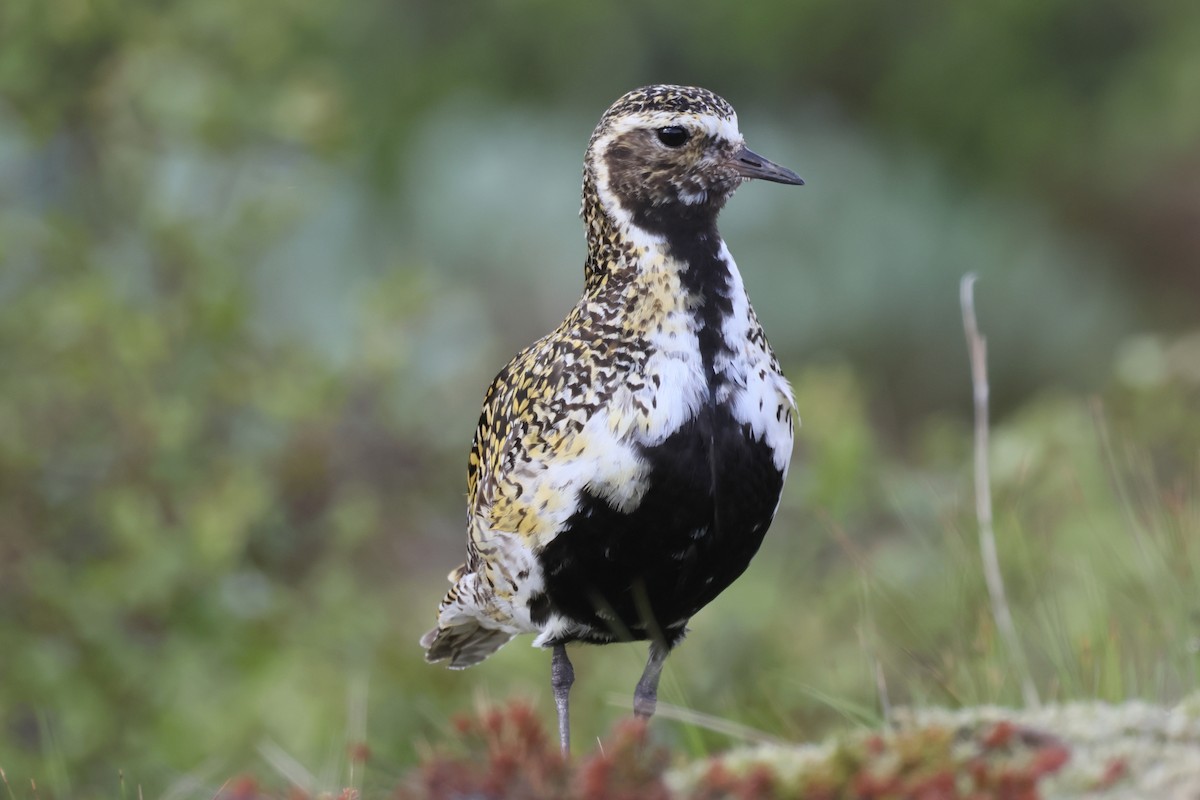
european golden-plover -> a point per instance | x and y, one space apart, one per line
627 465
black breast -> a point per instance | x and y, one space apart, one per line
713 489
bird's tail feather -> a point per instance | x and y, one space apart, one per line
465 644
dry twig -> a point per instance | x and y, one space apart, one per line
977 350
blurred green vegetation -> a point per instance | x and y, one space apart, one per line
258 263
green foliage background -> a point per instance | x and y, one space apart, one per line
259 261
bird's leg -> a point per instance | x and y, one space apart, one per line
562 675
645 696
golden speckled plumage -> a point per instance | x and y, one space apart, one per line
626 466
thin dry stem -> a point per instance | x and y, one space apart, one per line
288 767
881 688
726 727
356 723
977 350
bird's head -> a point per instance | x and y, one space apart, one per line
669 155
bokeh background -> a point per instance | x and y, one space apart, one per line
258 262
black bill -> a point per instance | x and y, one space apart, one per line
751 165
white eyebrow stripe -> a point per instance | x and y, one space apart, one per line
711 124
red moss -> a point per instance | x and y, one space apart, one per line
506 754
939 785
759 783
1114 771
1001 735
869 786
626 768
1049 759
243 787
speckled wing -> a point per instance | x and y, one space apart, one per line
555 420
476 616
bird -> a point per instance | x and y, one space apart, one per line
626 466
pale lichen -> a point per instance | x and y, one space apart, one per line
1128 750
1076 750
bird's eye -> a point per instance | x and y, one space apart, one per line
673 135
